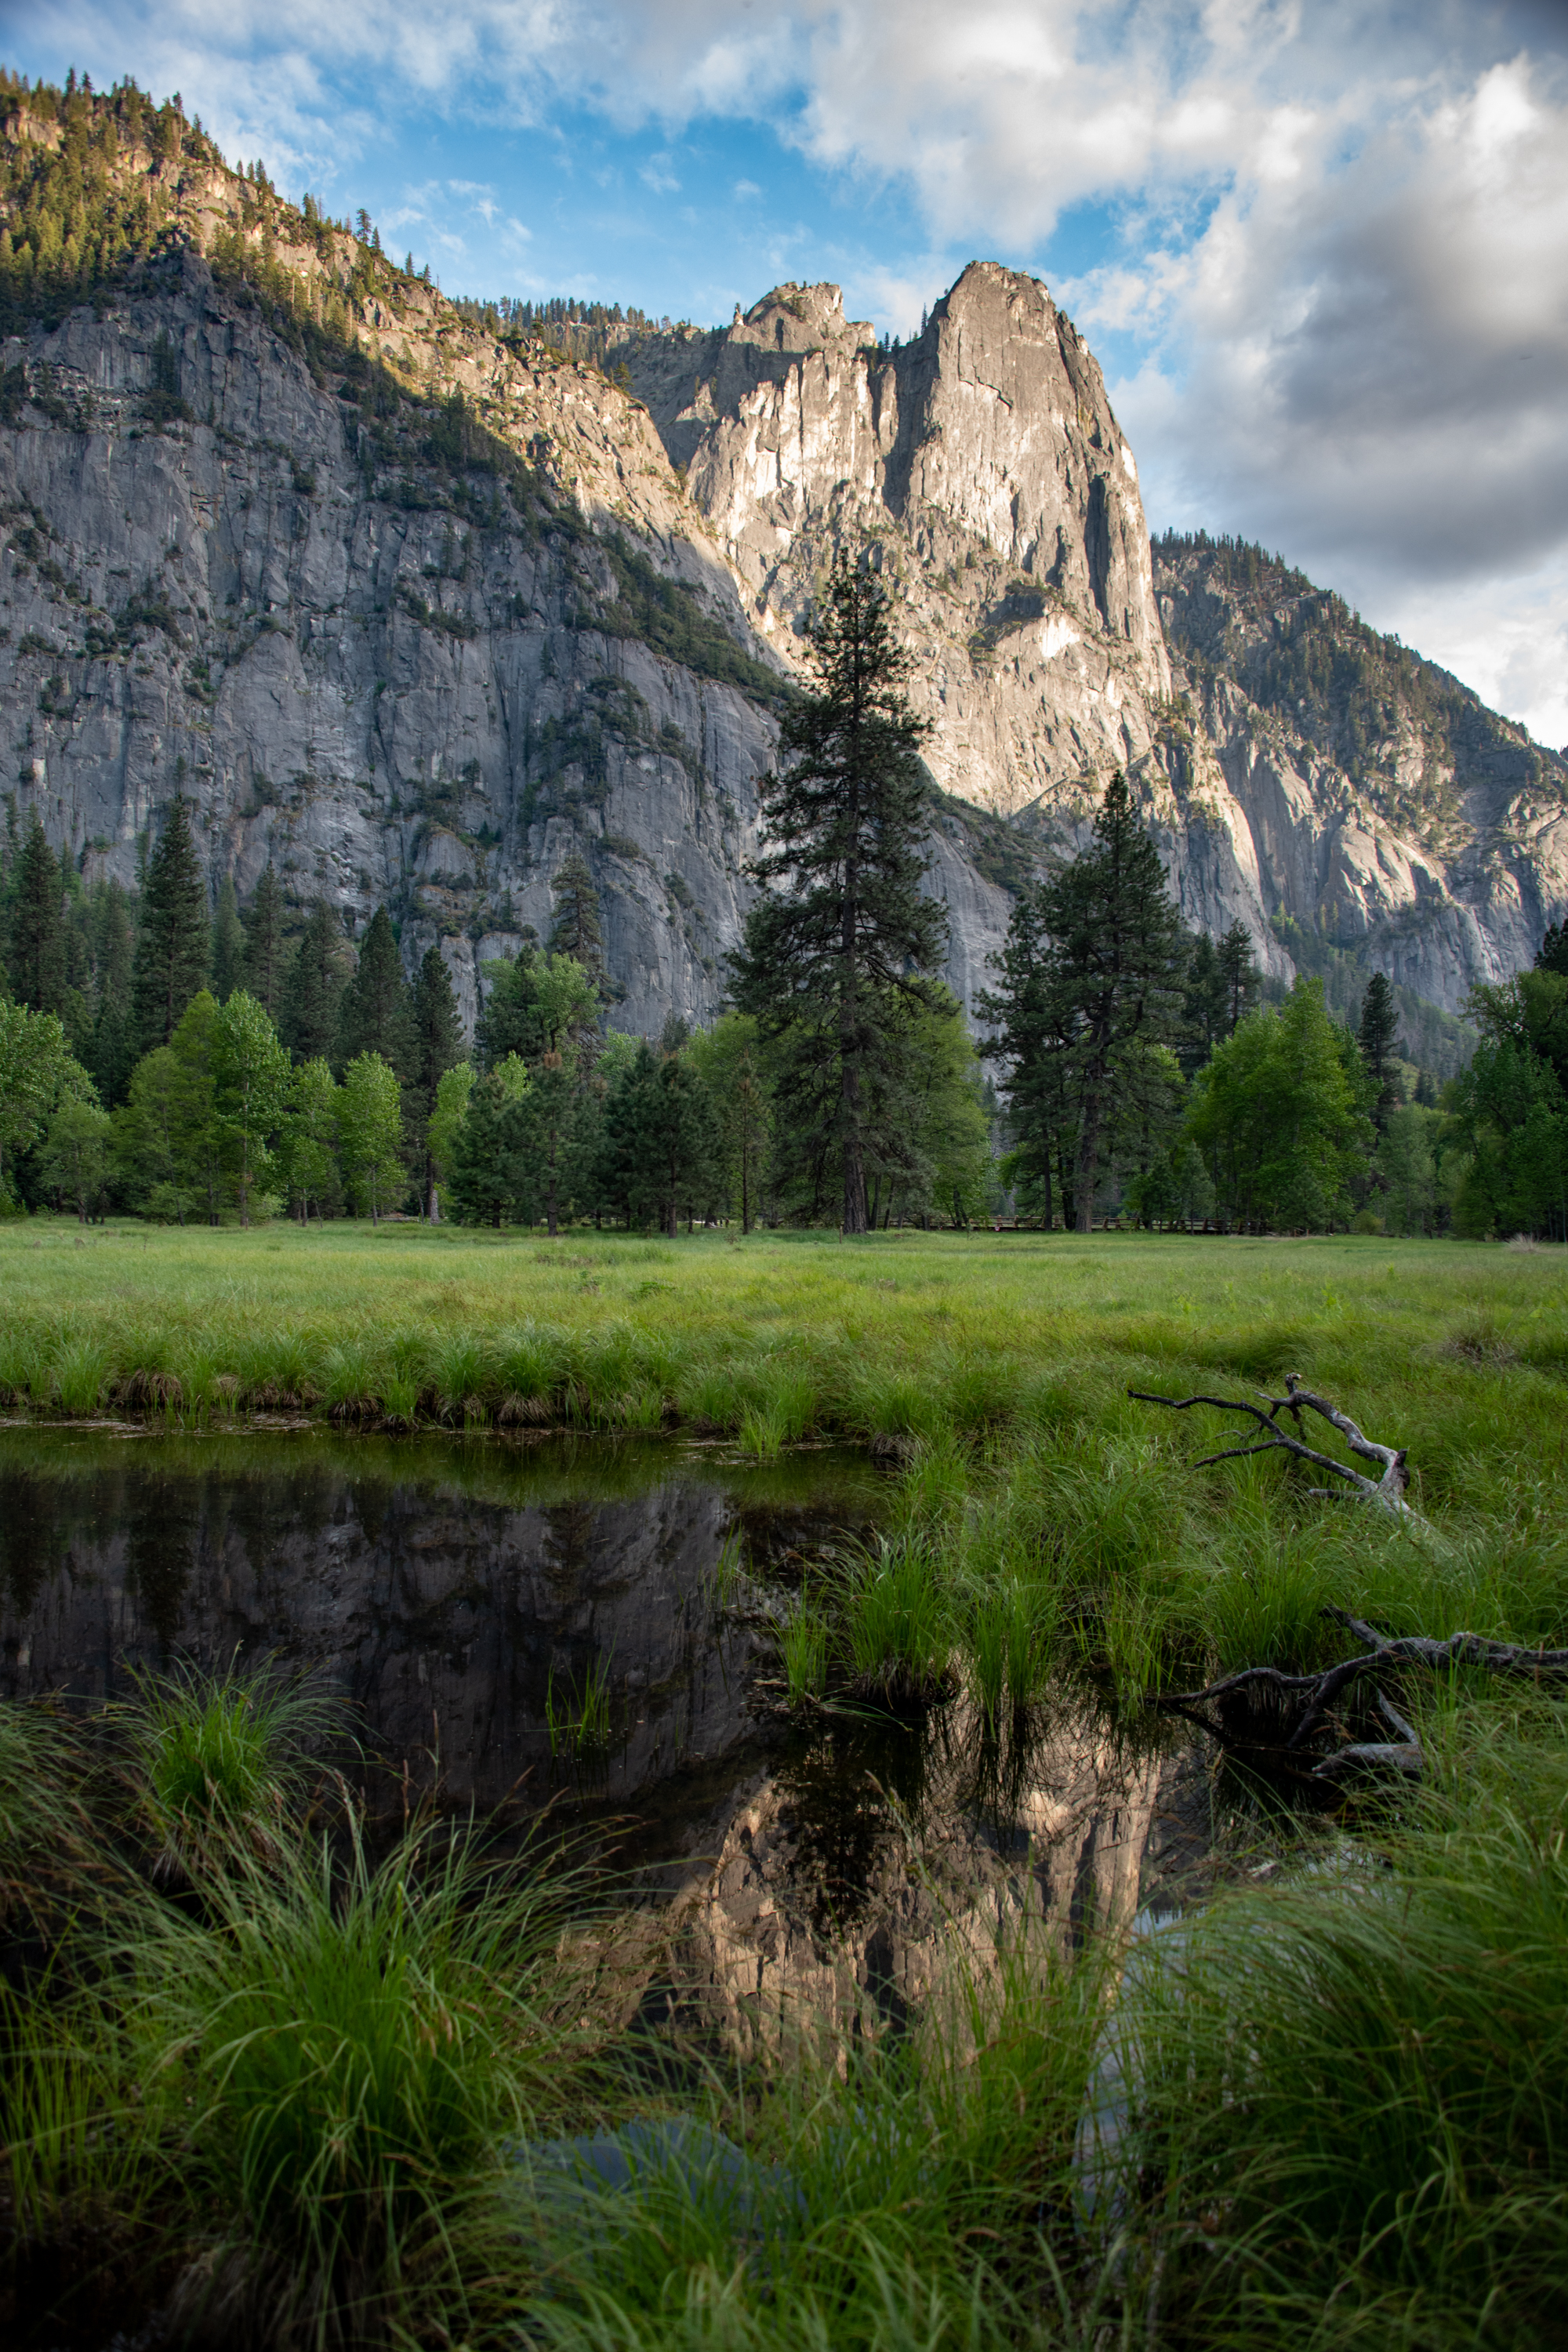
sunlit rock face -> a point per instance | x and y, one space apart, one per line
832 1906
982 468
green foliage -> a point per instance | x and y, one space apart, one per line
312 987
36 950
1090 1001
74 1160
38 1076
1278 1116
1512 1110
171 961
842 945
227 944
729 1060
309 1146
78 210
370 1134
375 1011
250 1072
264 967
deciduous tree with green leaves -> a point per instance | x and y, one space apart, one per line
251 1072
370 1134
38 1073
74 1160
729 1059
309 1143
1278 1116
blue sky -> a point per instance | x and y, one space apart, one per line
1319 246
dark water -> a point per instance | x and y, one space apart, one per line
457 1592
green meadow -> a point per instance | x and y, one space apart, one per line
281 2089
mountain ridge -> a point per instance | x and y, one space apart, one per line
415 603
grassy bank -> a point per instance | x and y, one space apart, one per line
261 2090
1043 1514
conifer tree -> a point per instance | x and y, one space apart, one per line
112 1054
1551 955
842 947
576 929
377 1014
1379 1027
172 938
1240 973
264 953
1092 971
36 962
437 1047
228 944
312 988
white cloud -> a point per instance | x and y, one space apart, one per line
657 175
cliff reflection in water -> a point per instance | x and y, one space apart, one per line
448 1591
455 1591
853 1883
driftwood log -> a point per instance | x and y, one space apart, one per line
1314 1695
1385 1492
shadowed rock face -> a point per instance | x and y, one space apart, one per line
449 1622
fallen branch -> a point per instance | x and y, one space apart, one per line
1386 1492
1381 1652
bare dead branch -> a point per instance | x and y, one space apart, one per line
1386 1492
1380 1653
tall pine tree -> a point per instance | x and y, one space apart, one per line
1101 984
1379 1027
36 962
576 929
437 1048
171 938
312 988
841 947
376 1014
112 1055
265 961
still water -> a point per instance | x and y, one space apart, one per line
461 1593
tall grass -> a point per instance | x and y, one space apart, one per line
1350 2112
213 1756
357 2043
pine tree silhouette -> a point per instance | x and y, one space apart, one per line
172 938
37 957
264 961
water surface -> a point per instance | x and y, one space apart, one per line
458 1593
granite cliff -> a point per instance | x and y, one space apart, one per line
413 603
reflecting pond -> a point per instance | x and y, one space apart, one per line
473 1598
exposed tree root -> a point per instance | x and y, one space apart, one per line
1315 1694
1386 1492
